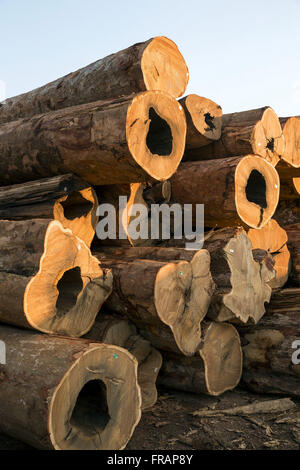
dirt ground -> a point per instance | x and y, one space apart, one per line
171 425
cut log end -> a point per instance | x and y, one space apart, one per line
204 119
222 357
291 132
164 67
267 138
156 130
97 404
65 295
257 189
182 294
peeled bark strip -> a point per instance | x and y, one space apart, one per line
242 284
67 394
155 64
168 299
293 233
273 239
257 131
111 329
291 133
49 279
105 142
232 190
204 121
64 198
216 367
268 347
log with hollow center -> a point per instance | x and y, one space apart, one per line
124 140
273 239
168 299
256 131
64 198
49 279
204 121
235 190
67 394
113 329
155 64
268 347
216 367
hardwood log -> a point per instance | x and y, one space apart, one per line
268 347
216 367
104 142
273 239
155 64
169 299
204 121
64 198
289 189
116 330
293 233
48 278
233 191
257 131
291 133
67 394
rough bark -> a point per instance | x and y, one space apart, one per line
104 142
257 131
168 299
273 239
293 233
113 329
268 347
49 279
64 198
204 121
155 64
215 368
288 212
289 189
67 394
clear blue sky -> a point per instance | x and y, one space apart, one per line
241 54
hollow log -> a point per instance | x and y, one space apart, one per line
257 131
64 198
204 121
273 239
168 299
104 142
155 64
233 191
67 394
49 279
268 347
113 329
291 133
215 368
293 233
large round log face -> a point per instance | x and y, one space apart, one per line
257 189
267 139
291 132
156 129
164 68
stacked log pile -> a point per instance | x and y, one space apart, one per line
89 324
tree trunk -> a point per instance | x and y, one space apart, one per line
64 198
169 299
204 121
112 329
236 190
49 279
67 394
119 141
155 64
289 189
257 131
293 233
291 133
273 239
268 347
215 368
